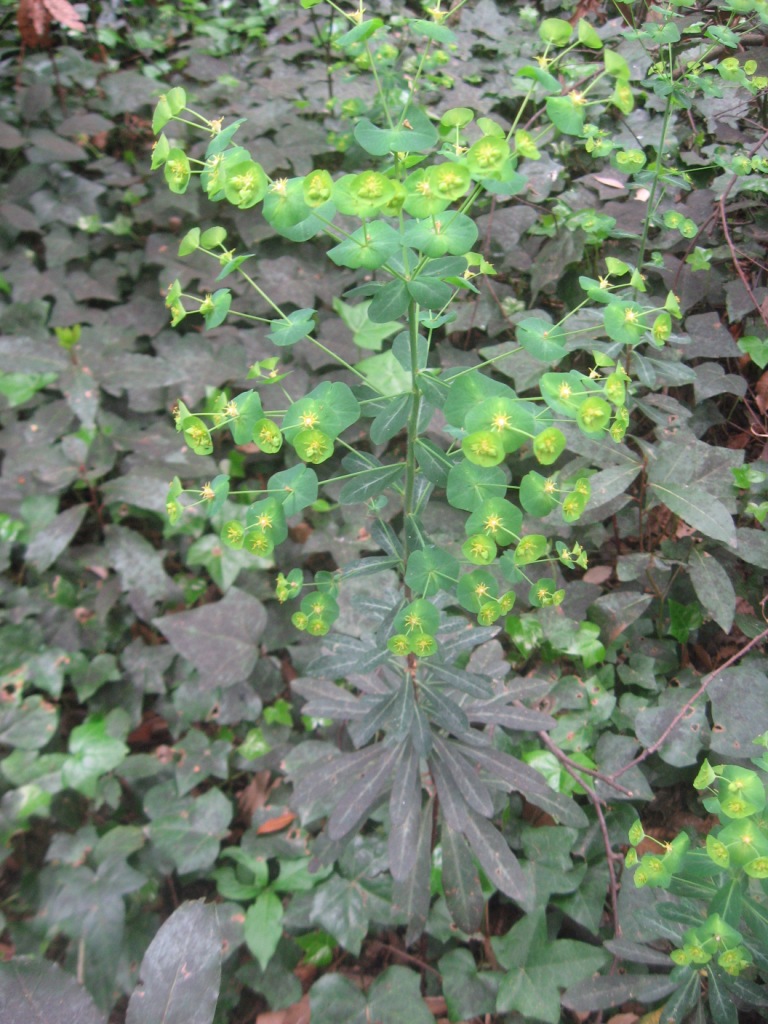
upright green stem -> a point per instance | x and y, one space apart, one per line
655 183
413 423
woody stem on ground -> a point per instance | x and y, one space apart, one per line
709 678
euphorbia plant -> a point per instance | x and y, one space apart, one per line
416 715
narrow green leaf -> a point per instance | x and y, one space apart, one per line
498 861
264 927
698 509
461 883
411 894
713 587
601 993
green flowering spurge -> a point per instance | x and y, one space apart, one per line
721 888
401 428
405 225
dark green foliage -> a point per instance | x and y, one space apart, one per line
518 365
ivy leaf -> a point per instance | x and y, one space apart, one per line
538 967
366 333
94 751
189 835
468 992
181 970
221 639
38 990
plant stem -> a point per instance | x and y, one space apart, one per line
413 424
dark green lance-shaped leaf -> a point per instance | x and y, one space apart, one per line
220 639
502 713
433 462
391 419
601 993
411 894
543 340
430 292
415 134
389 302
498 861
461 883
698 509
327 700
33 990
452 804
721 1002
526 780
538 968
443 710
684 999
465 777
264 926
609 483
402 842
329 772
467 682
355 803
406 789
181 970
293 328
713 587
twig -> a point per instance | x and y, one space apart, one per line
689 704
729 240
597 803
568 762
